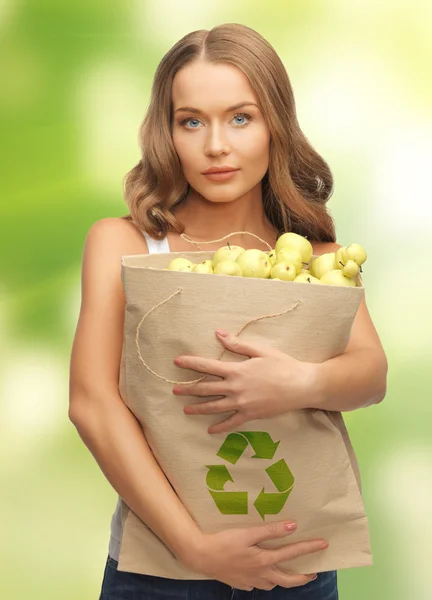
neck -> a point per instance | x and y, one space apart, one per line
204 220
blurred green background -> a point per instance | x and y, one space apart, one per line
75 82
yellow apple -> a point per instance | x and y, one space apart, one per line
206 266
341 257
272 256
294 240
290 255
303 277
336 277
180 264
351 269
228 267
227 252
322 264
356 253
283 270
254 263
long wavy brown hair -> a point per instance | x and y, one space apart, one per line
298 182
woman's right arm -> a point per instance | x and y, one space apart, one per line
105 424
114 437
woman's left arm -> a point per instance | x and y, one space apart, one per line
356 378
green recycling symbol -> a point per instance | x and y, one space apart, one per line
236 503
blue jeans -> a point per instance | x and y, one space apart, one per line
120 585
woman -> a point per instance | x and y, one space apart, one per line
220 98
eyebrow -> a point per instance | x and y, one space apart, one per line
231 108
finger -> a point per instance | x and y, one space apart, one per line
288 580
291 551
204 365
240 346
269 531
214 388
234 421
209 408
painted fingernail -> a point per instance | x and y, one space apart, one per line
324 546
221 333
290 526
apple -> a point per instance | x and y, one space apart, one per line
227 252
206 266
341 257
180 264
272 256
303 277
254 263
296 241
228 267
336 277
290 255
356 253
322 264
283 270
351 269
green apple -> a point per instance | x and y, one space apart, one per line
322 264
206 266
356 253
227 252
351 269
180 264
290 255
336 277
303 277
283 270
294 240
228 267
254 263
341 257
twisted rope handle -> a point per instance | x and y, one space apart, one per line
188 239
178 291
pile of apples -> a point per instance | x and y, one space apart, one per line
290 260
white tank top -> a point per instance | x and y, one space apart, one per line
154 247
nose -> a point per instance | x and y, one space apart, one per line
215 142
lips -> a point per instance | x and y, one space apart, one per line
223 169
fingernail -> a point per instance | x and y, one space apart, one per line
324 546
221 333
314 577
290 526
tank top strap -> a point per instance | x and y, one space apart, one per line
156 246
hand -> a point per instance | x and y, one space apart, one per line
234 557
269 384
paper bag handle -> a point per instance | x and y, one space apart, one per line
188 239
179 291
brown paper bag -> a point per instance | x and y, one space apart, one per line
299 466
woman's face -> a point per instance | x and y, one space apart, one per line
212 135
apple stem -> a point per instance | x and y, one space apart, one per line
341 263
228 244
361 270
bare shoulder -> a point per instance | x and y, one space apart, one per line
324 247
119 234
98 338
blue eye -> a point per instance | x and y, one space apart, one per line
241 115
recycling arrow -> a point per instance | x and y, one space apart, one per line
236 443
231 503
217 477
270 504
281 476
